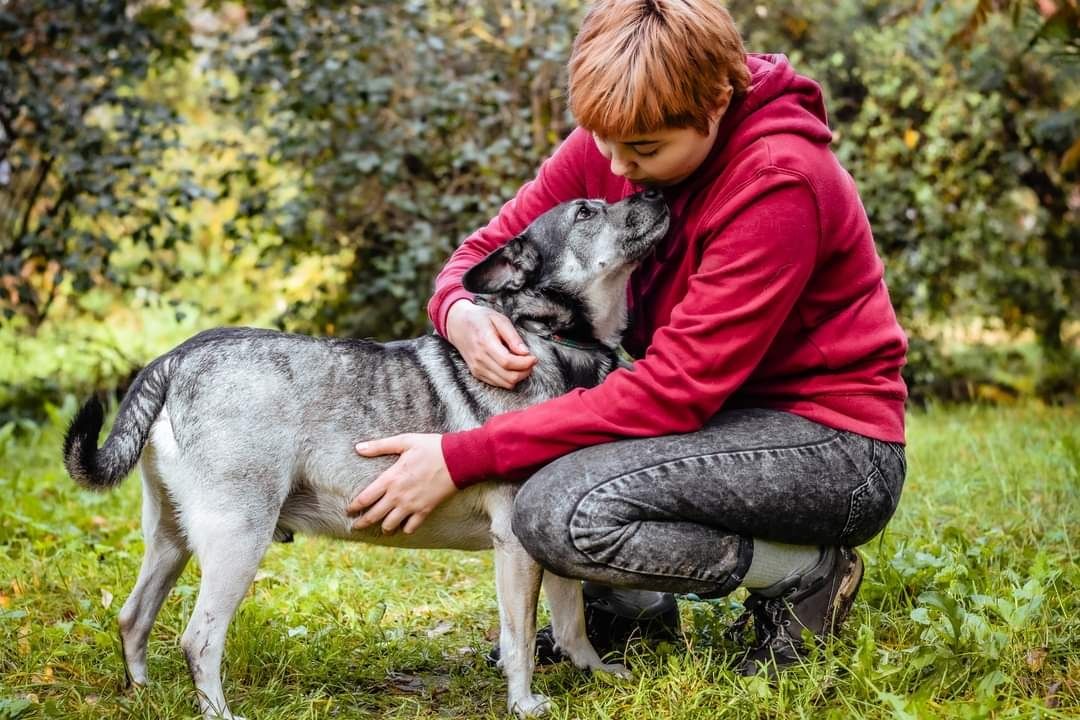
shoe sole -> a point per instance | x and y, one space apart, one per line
845 594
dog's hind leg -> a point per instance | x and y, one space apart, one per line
568 624
517 584
164 559
229 544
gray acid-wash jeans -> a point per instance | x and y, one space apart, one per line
678 513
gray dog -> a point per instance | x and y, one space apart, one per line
245 435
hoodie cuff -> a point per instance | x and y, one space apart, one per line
469 457
442 307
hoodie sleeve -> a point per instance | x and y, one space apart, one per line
561 177
759 255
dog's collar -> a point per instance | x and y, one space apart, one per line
576 344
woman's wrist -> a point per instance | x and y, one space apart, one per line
460 309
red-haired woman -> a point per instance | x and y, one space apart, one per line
759 436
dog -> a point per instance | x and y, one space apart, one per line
244 436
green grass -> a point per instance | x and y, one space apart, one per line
969 608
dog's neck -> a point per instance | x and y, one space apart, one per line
553 322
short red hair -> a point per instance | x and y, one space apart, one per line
642 65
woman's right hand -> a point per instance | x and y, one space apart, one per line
492 348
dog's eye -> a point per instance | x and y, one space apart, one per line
584 213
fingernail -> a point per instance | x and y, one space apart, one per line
361 447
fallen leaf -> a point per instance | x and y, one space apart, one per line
106 598
24 640
45 677
1035 658
408 684
1051 697
5 601
441 628
98 521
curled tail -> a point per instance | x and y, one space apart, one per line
102 469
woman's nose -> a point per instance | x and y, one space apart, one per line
619 164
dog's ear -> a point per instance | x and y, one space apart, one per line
508 268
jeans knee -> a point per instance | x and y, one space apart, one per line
538 527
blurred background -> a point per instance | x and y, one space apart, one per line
172 165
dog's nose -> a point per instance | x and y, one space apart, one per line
652 195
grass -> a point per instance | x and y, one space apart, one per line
970 607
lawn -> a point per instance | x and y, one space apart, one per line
970 607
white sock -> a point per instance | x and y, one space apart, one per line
775 562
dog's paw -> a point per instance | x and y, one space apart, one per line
617 669
532 706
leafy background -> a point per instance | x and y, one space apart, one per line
310 166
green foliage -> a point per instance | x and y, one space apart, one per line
961 154
146 156
970 607
79 145
411 123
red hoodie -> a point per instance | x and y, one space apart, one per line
766 292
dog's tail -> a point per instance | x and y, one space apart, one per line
104 468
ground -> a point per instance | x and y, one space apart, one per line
969 608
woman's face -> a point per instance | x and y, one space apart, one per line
665 157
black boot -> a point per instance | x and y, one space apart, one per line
819 601
613 618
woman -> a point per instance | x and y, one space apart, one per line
759 436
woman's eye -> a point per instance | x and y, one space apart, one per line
584 213
650 153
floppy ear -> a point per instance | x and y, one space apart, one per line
508 268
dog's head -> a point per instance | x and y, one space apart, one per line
566 274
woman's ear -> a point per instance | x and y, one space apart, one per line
510 267
722 104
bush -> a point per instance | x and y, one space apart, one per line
377 137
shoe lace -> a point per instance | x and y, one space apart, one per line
768 614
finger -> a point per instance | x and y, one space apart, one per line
517 377
518 362
492 374
495 354
508 334
368 496
394 445
393 520
414 522
374 514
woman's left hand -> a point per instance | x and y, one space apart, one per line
409 490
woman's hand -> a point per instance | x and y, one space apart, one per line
410 489
492 348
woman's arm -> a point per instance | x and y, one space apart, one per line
560 178
753 271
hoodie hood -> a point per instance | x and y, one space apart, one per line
778 101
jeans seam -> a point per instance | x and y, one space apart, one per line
730 453
726 453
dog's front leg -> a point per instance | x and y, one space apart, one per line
517 584
568 624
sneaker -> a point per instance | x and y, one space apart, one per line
819 601
613 618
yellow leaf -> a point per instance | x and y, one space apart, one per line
23 641
1071 159
911 138
106 598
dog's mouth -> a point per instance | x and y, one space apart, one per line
640 245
